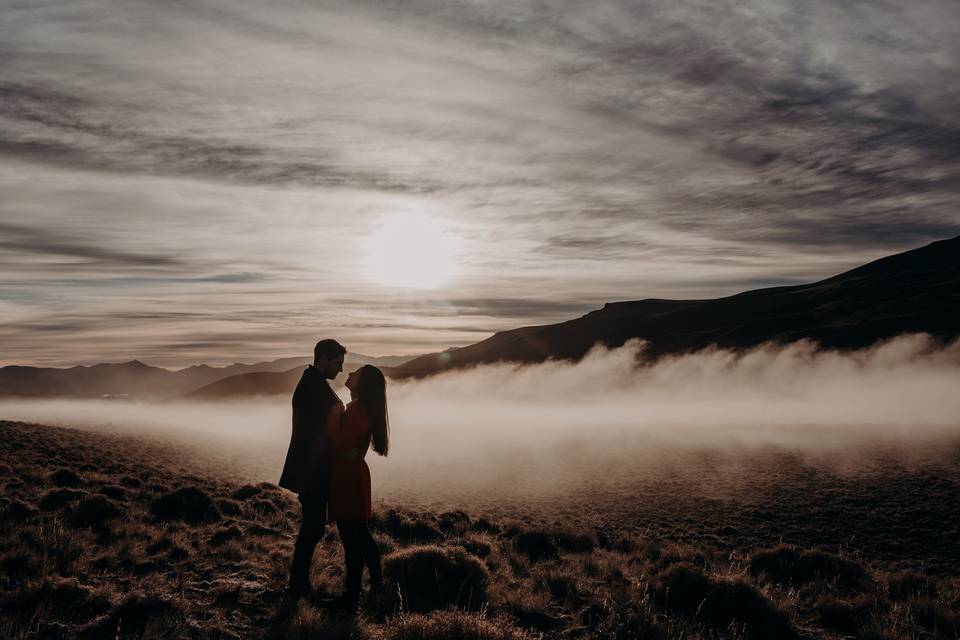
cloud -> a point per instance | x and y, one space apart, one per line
25 239
509 434
620 150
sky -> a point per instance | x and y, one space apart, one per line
213 181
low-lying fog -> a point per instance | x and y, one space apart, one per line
537 429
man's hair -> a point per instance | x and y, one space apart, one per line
328 349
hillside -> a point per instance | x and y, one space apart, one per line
268 383
915 291
138 380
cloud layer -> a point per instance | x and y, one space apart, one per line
229 159
516 433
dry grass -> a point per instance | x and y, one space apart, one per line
106 537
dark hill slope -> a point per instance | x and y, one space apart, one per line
915 291
271 383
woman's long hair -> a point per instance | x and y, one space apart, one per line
372 395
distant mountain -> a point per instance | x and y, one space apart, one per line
135 379
261 384
249 385
915 291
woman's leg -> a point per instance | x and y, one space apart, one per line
353 555
371 555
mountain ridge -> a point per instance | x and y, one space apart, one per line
916 291
136 379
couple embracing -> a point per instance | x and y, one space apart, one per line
325 466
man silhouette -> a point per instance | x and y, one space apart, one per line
306 471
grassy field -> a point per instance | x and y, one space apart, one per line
113 536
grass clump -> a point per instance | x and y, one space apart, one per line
15 510
94 511
907 585
406 528
451 625
57 599
246 492
140 615
58 498
685 589
188 504
116 492
938 620
65 478
787 565
310 623
430 577
224 535
536 545
847 617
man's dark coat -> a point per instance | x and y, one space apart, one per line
307 468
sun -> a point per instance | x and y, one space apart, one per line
412 251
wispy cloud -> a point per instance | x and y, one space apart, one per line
233 156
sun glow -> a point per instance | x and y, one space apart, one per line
414 251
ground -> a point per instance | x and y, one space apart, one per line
116 536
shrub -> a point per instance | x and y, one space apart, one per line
685 589
262 506
453 522
786 565
18 566
942 622
229 507
431 577
63 599
131 482
483 525
574 542
65 478
450 625
476 546
844 573
406 529
13 509
309 623
94 511
57 498
615 542
137 614
221 536
536 545
246 492
562 585
740 604
845 617
260 530
906 585
681 587
113 491
188 504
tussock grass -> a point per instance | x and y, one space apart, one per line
685 589
140 544
189 504
453 625
787 565
431 577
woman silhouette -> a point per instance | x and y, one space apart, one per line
364 419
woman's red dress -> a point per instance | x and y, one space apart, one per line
349 473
